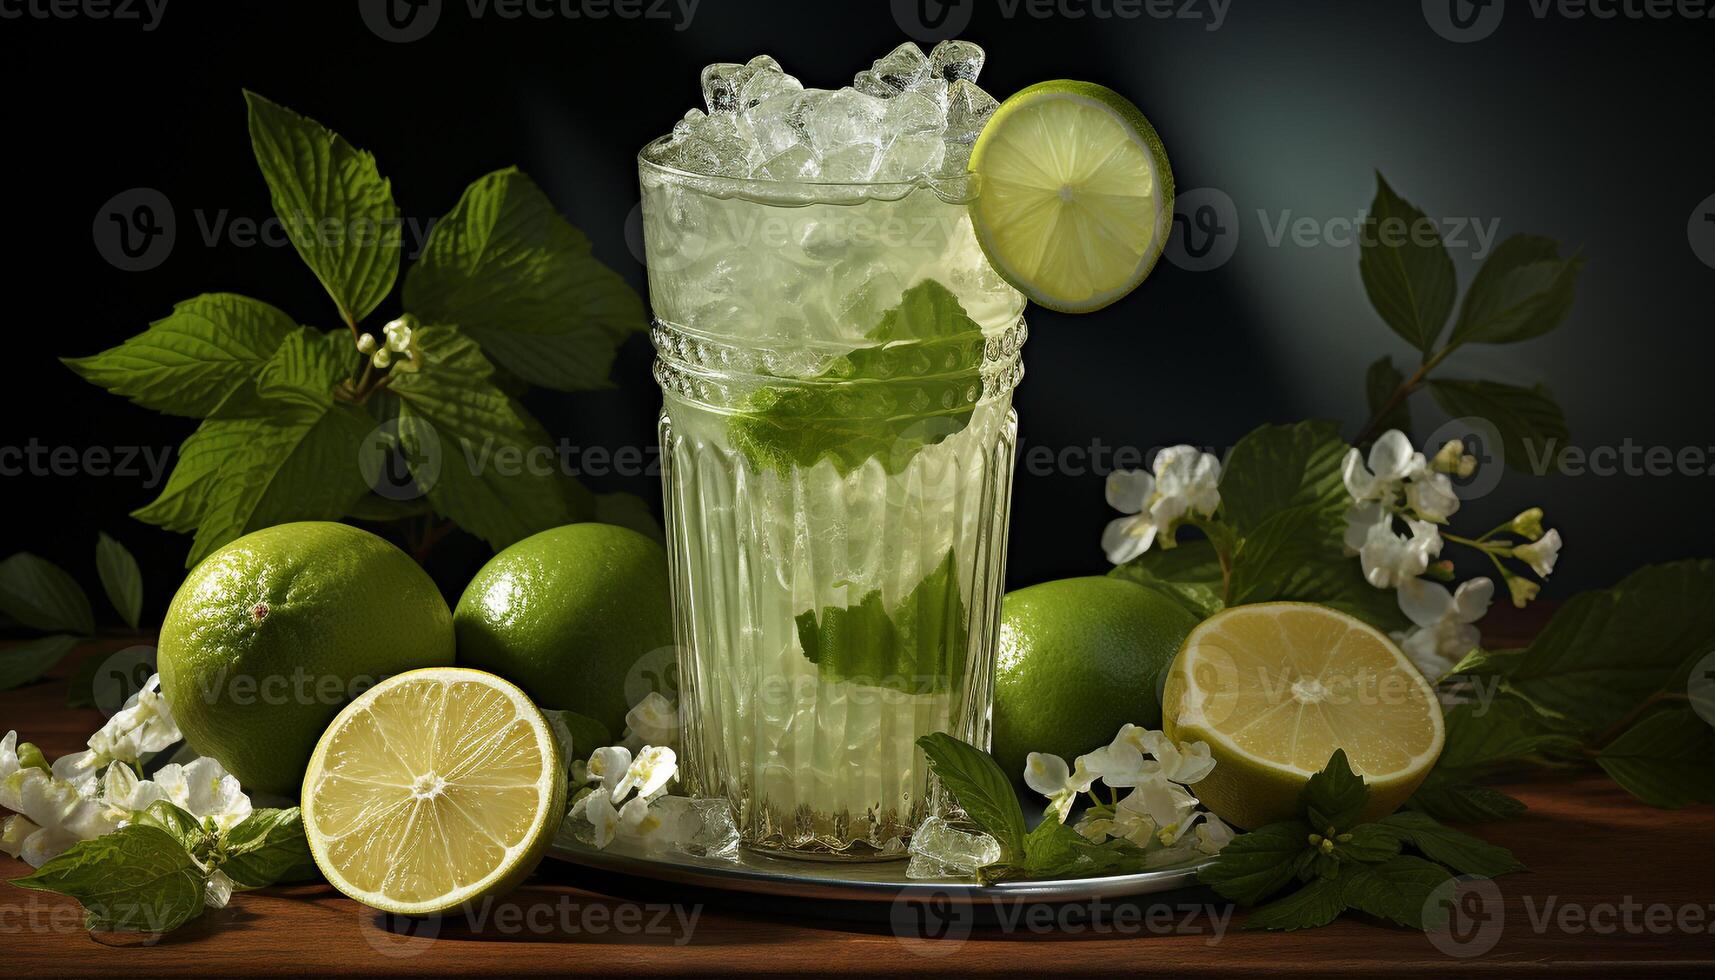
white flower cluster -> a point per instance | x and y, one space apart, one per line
1396 485
400 339
646 817
1186 483
91 793
1157 815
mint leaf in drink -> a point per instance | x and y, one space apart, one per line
522 282
37 593
1529 420
137 879
980 788
21 663
918 647
199 361
1663 760
1408 276
1381 381
335 206
266 848
1189 574
454 419
120 578
914 387
1524 290
1257 864
1334 797
1459 851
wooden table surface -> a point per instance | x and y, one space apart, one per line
1615 887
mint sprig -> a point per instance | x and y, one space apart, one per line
1339 863
918 647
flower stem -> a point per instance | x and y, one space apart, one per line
1400 394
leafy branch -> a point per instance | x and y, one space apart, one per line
42 598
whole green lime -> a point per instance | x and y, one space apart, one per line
567 614
1077 659
270 635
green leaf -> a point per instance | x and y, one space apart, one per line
1316 904
21 663
1398 889
980 789
1446 798
335 206
1459 851
1529 420
1337 581
1335 796
1605 651
1277 468
1276 551
266 848
1480 737
1189 574
454 421
918 647
1380 383
520 281
1664 760
1409 279
136 879
1368 843
1257 864
1524 290
36 593
200 360
121 578
184 827
301 375
912 388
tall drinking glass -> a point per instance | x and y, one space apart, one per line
836 364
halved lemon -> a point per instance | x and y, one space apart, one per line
1075 196
434 788
1276 687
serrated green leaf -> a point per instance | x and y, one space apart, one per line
1449 798
35 592
1504 729
1335 796
1316 904
182 826
136 879
918 647
1399 890
1367 843
334 205
1337 581
1605 651
464 438
267 848
1257 864
521 281
1459 851
1529 420
21 663
912 388
1189 574
1664 759
1275 551
1276 468
120 577
303 371
980 788
1381 381
199 361
1409 280
1524 290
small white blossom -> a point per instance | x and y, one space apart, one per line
654 720
1431 496
1391 462
1213 834
1541 554
1183 762
609 765
382 359
1443 621
649 773
399 335
202 788
1166 804
599 811
1049 775
143 726
1185 482
1388 557
1118 765
366 344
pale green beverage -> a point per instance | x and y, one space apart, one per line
836 358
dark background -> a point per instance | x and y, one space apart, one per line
1589 130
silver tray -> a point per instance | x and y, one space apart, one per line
881 881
